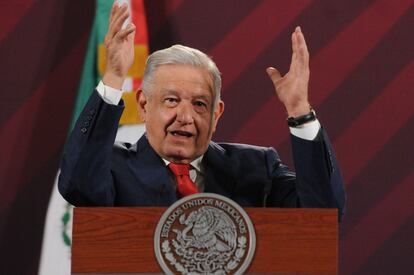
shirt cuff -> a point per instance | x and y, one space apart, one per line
108 94
307 131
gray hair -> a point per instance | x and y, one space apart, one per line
179 54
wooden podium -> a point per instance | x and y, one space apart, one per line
288 241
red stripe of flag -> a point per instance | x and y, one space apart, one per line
140 21
141 34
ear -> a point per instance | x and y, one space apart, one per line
142 104
218 111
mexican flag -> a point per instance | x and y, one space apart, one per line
56 248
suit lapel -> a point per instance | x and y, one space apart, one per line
150 171
220 171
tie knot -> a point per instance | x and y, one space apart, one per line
179 169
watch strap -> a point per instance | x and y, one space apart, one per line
300 120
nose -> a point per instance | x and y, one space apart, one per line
185 113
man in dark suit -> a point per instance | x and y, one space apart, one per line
181 106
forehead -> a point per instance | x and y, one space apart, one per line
184 78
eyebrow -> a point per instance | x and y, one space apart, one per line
168 91
202 94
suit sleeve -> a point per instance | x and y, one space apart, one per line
85 178
318 181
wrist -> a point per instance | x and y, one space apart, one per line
299 110
113 80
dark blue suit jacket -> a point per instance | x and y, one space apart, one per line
94 172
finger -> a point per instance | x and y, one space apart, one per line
274 74
121 17
117 12
118 19
114 8
303 52
293 60
127 31
294 42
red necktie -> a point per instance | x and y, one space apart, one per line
185 185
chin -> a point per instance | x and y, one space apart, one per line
180 156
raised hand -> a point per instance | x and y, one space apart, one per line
292 88
119 45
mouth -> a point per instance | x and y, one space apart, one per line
180 133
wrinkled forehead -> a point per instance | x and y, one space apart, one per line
181 74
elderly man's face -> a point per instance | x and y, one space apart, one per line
179 112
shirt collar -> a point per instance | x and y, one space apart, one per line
196 164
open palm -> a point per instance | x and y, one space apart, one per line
119 45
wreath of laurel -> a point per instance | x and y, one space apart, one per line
66 219
230 265
170 257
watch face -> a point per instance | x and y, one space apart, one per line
204 234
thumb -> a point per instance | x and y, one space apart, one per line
274 74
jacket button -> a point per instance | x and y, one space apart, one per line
86 123
84 130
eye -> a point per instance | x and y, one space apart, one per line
200 106
199 103
171 101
